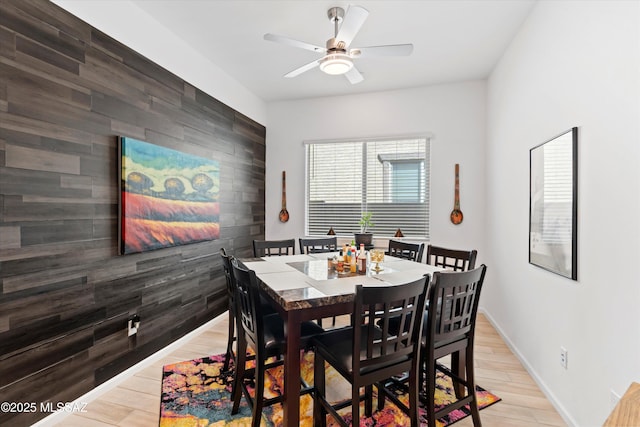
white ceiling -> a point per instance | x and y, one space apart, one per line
454 40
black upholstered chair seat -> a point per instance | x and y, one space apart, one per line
274 340
339 346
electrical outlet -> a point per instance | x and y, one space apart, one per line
132 325
563 357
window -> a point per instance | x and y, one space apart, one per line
387 177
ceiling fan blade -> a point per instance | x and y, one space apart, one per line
351 24
354 76
387 50
302 69
292 42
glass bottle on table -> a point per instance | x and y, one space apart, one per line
352 264
362 260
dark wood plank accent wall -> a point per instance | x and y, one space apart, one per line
66 92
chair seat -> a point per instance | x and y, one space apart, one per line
337 347
274 333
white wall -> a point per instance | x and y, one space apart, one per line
572 64
453 113
130 25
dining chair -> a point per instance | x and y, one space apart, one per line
453 259
406 250
266 307
318 245
366 354
274 247
231 335
450 330
264 334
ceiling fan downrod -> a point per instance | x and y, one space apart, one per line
335 14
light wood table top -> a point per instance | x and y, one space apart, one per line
627 411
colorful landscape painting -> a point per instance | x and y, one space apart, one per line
168 198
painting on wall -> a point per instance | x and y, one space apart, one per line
167 198
553 204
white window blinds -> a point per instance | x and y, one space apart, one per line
389 178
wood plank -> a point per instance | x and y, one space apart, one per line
68 230
21 338
51 14
23 22
37 127
627 410
27 158
44 54
22 364
34 208
10 236
7 43
73 111
31 84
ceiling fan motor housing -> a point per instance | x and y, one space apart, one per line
336 46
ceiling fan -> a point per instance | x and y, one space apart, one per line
338 57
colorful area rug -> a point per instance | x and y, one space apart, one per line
198 393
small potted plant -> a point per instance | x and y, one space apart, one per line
365 237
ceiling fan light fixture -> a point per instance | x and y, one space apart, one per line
336 64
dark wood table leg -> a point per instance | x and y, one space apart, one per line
291 404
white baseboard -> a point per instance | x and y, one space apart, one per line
58 416
547 392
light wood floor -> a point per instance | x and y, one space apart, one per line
136 401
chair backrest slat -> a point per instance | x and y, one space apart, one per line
452 259
318 245
410 251
263 248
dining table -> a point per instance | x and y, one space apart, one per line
308 287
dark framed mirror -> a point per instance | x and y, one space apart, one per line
553 204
